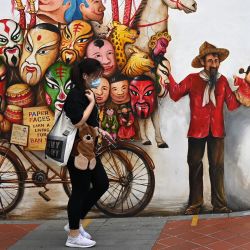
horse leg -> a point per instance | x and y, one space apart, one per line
144 138
155 117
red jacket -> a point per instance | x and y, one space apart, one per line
209 117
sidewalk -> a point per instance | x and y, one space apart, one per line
138 233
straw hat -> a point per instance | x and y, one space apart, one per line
207 48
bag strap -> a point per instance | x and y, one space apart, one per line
57 119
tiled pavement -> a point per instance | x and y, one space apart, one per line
138 233
217 234
11 233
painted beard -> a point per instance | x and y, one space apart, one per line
12 56
142 110
213 77
33 73
125 115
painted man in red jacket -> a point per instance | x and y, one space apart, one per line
207 90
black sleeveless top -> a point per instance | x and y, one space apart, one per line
74 106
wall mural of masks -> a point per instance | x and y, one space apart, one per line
131 42
37 59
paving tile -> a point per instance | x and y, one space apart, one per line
165 235
183 246
221 245
159 246
170 241
189 235
205 240
236 229
208 230
178 231
201 248
11 233
222 235
245 235
237 240
246 246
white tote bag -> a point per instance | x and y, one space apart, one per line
60 140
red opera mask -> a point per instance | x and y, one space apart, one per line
161 47
143 96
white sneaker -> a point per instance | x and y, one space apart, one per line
81 230
79 241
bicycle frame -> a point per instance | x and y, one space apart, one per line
53 176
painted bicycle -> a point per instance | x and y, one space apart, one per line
129 169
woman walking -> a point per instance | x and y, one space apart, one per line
80 108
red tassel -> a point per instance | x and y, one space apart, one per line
12 6
27 5
127 12
115 10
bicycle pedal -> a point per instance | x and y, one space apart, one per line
44 196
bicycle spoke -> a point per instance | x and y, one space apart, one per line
139 200
110 192
117 198
134 169
5 198
112 167
9 194
145 185
141 175
135 185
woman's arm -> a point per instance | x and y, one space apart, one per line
90 95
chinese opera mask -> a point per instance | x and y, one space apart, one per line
161 47
162 72
103 51
40 50
11 40
57 86
75 38
3 82
158 44
143 96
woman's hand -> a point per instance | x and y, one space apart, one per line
90 95
104 133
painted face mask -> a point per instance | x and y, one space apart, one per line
57 86
92 10
3 82
11 40
75 38
162 78
40 50
103 51
143 98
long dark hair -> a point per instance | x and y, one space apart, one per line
86 66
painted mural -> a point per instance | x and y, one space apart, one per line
39 49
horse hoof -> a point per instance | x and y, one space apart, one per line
162 145
147 142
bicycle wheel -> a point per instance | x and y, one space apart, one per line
132 181
65 176
11 182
